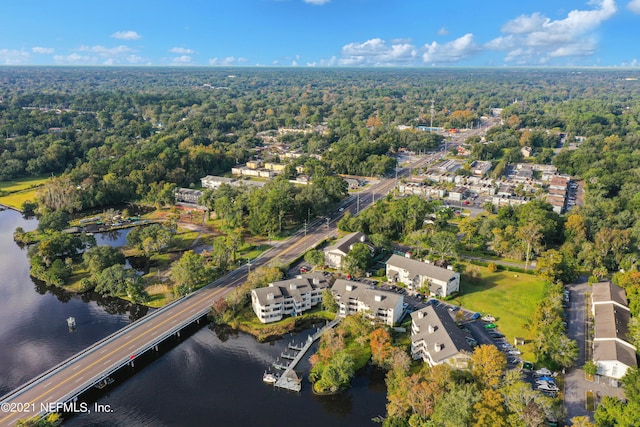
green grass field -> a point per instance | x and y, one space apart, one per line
509 297
14 193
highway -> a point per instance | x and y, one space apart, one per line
83 370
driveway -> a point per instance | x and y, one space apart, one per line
576 385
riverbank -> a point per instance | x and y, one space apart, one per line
246 321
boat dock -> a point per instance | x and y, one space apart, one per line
289 380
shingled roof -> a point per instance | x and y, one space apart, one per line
418 268
441 335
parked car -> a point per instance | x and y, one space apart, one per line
490 326
488 318
475 316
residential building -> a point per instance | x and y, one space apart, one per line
211 181
459 193
355 297
436 339
612 351
416 274
334 254
187 195
288 297
526 152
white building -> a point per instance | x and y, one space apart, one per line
355 297
288 297
436 339
612 351
211 181
417 274
334 254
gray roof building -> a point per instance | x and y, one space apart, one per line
604 292
436 339
288 297
354 297
334 254
416 274
612 322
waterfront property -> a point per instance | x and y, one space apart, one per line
335 254
612 351
355 297
288 297
436 339
416 274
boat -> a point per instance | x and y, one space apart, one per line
103 383
71 322
544 372
547 387
269 378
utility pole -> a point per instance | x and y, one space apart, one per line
358 203
305 227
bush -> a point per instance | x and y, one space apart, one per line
492 266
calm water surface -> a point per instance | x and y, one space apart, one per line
209 379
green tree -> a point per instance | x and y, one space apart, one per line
356 261
53 220
314 257
189 272
98 258
328 301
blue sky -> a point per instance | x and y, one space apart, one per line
307 33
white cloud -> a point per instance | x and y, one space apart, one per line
632 64
317 2
100 55
44 50
181 51
377 52
181 60
443 32
453 51
229 60
126 35
634 6
14 57
104 51
536 39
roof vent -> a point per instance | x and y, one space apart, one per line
438 347
292 285
420 315
378 297
270 296
349 288
316 280
432 329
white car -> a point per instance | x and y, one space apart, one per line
488 318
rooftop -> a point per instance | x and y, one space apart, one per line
437 328
420 268
608 292
373 297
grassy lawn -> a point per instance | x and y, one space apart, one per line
248 322
509 297
14 193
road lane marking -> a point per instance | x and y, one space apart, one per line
142 334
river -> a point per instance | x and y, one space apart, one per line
208 379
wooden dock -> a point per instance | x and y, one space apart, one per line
289 380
